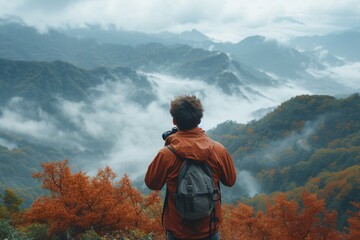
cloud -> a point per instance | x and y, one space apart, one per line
31 122
247 181
126 133
347 74
46 5
134 132
9 145
277 151
221 19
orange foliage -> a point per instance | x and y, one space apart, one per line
116 210
354 223
250 131
283 220
78 203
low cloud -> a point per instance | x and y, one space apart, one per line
129 134
31 122
270 156
9 145
347 75
246 180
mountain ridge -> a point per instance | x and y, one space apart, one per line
304 138
87 53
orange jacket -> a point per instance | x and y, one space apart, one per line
165 167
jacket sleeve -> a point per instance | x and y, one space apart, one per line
155 177
227 167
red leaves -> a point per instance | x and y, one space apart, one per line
354 223
284 220
78 203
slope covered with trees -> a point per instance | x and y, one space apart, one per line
308 143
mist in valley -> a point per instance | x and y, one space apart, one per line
110 129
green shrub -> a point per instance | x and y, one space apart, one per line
10 233
38 231
90 235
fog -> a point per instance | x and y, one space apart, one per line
347 74
9 145
295 141
245 180
126 133
273 156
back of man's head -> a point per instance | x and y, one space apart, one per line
187 111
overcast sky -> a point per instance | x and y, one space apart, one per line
227 20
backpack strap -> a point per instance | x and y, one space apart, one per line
164 206
172 150
166 199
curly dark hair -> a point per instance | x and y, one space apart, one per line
187 111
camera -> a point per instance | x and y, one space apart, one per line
168 133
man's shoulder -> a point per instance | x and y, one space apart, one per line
166 151
218 148
218 145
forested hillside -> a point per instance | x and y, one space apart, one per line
308 143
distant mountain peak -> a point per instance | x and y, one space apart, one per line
12 19
253 39
287 19
194 35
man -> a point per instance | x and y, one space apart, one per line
189 142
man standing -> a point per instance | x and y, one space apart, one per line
189 142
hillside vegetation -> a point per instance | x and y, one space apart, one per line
308 143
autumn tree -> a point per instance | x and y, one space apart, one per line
241 222
354 223
283 220
77 202
312 221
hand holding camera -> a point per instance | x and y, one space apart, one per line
168 133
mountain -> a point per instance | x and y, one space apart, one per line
309 70
124 37
45 81
36 96
342 44
255 51
273 57
98 102
252 63
109 35
287 19
307 143
193 35
25 43
305 61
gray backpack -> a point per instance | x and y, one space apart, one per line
196 193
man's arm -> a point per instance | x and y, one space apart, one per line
157 171
228 171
